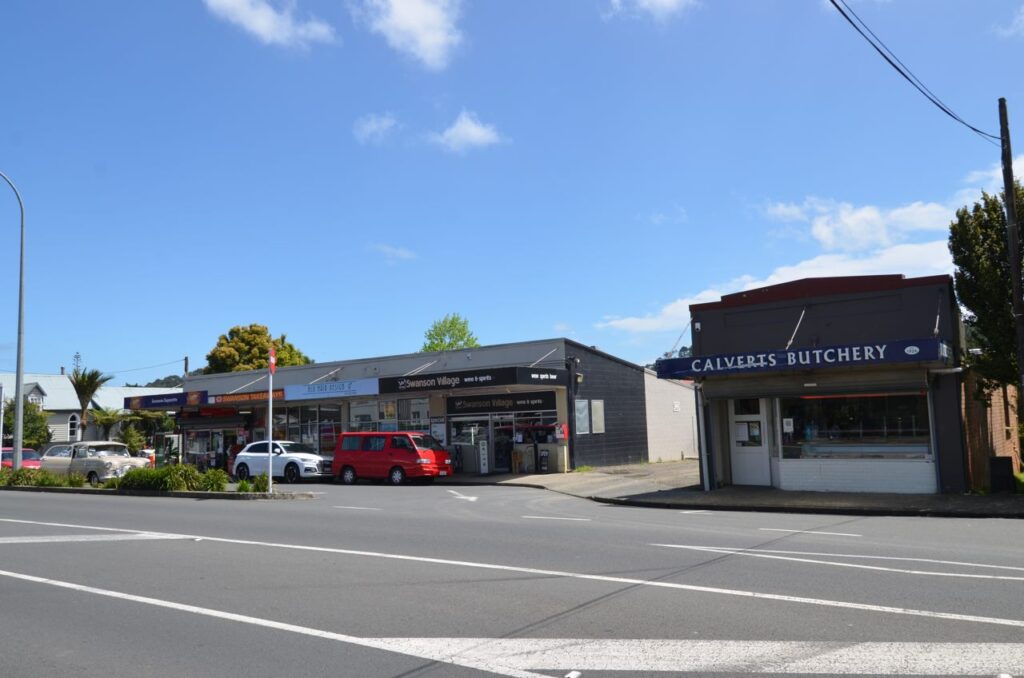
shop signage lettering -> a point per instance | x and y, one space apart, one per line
166 401
875 353
498 376
331 389
509 402
251 397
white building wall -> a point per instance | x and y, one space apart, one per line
856 475
671 419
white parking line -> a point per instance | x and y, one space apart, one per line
877 568
584 520
358 508
757 595
65 538
831 534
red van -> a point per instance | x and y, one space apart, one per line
393 455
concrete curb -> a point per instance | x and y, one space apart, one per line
235 496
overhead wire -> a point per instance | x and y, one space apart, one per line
149 367
904 71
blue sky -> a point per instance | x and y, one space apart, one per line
346 172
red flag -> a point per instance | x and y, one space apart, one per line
273 360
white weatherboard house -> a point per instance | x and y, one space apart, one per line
56 395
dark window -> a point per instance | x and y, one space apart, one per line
351 443
747 406
373 443
258 447
400 443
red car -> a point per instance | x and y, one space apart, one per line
29 458
393 455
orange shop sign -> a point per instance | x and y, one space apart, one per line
251 397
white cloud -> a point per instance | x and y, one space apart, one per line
424 29
661 10
843 226
1016 26
272 26
465 133
675 215
910 259
374 128
393 255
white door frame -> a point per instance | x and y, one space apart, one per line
749 454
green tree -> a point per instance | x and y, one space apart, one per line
170 381
449 333
977 241
248 348
86 384
131 437
106 419
151 422
35 432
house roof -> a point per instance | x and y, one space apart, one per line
59 394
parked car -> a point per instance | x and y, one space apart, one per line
147 453
98 461
29 458
291 461
394 456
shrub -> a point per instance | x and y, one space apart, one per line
142 479
111 484
75 480
261 483
5 476
244 486
214 480
47 479
23 476
181 477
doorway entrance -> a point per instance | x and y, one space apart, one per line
748 441
469 439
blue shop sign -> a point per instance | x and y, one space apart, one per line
332 389
798 359
166 401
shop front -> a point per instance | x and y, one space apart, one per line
877 414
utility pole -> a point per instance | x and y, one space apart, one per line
1012 240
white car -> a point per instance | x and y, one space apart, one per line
292 461
98 461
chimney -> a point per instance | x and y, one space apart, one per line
62 370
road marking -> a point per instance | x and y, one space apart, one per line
696 511
388 645
461 496
66 538
358 508
585 520
770 555
831 534
757 595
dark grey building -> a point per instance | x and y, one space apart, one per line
830 384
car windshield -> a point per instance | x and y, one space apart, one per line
25 455
425 442
292 448
111 451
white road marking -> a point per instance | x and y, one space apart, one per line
771 555
358 508
696 511
585 520
388 645
757 595
573 674
65 538
462 496
831 534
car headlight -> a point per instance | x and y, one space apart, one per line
447 461
108 465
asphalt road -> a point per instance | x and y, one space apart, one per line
375 581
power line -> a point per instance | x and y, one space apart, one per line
902 69
150 367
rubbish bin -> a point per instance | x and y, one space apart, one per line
1000 474
543 461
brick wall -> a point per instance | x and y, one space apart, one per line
990 429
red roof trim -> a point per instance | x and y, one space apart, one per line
820 287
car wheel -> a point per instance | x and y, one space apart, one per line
94 480
242 472
397 476
348 476
291 473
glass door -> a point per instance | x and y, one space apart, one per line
502 433
469 443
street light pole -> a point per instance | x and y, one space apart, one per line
19 375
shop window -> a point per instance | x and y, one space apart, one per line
363 415
329 427
582 417
887 425
308 432
535 427
597 416
414 414
743 406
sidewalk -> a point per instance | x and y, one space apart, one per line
675 485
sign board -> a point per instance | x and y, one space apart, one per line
331 389
484 462
166 401
495 376
802 359
250 397
505 402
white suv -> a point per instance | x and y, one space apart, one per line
292 461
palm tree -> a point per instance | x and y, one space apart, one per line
107 419
87 383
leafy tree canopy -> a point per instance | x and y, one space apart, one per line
106 419
248 348
86 383
35 432
170 381
449 333
977 241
